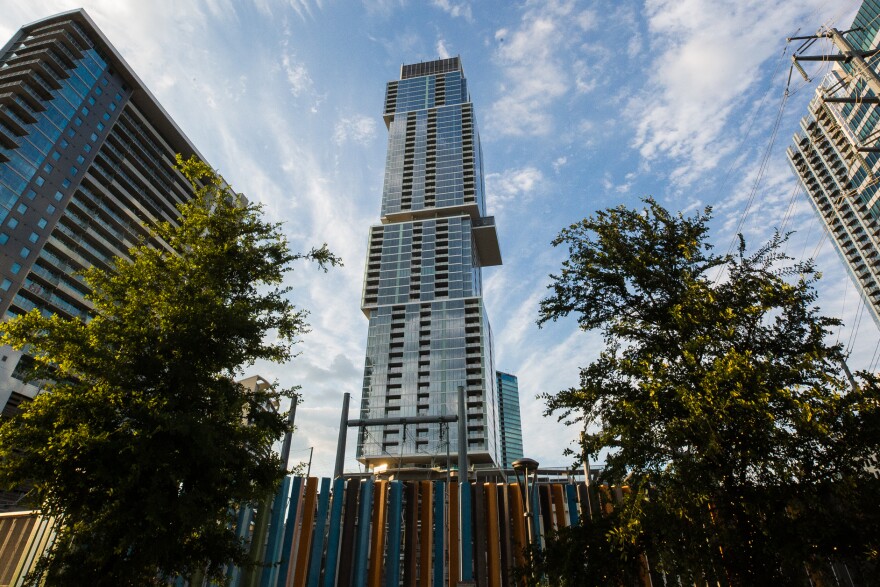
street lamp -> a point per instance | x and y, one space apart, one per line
526 471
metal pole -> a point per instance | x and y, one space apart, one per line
462 438
309 470
587 473
465 554
285 446
343 431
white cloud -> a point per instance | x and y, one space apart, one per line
442 50
358 129
298 76
455 9
708 56
511 184
559 163
539 68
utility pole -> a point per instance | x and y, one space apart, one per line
848 54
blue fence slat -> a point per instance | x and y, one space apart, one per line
536 518
466 555
395 509
571 495
245 514
318 540
289 532
439 532
362 546
334 533
276 535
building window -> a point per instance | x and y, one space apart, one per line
47 168
31 194
98 91
85 111
80 159
5 287
42 223
100 126
39 181
56 155
65 183
3 238
15 268
106 116
21 208
25 252
74 171
92 100
34 237
112 106
12 223
87 147
59 196
77 121
94 137
50 209
64 143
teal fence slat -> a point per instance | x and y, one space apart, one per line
318 541
362 547
289 532
466 554
334 532
276 535
245 513
571 496
395 510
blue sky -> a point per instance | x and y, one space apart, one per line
581 106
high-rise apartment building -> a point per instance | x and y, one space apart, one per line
86 156
428 332
836 155
509 421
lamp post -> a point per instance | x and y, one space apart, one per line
526 471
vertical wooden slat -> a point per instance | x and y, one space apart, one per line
466 525
346 561
452 539
276 535
558 506
410 542
362 544
518 524
334 533
493 537
395 507
427 522
479 533
306 534
287 549
439 532
377 537
504 531
318 541
571 496
546 507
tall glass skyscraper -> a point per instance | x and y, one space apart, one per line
509 421
429 333
86 155
837 158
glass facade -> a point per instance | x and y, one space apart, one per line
836 157
86 157
510 424
429 335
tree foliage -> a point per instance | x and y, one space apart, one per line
141 443
719 398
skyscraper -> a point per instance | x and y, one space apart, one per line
85 160
836 155
509 422
428 331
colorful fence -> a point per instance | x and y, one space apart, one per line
366 533
23 537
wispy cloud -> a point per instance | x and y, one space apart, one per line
538 69
511 184
357 129
442 50
298 77
455 9
708 57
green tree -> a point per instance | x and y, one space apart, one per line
718 399
141 444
